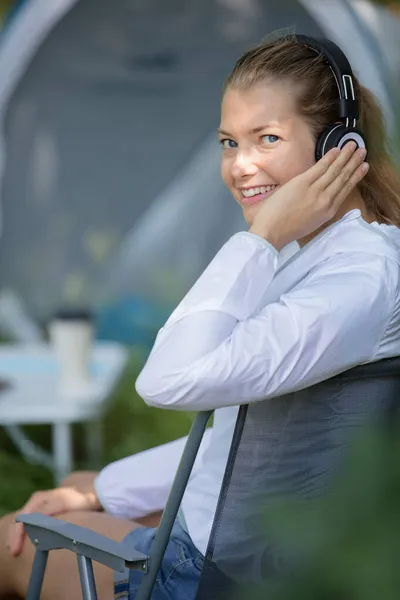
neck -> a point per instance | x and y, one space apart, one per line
353 201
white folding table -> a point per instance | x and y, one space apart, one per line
34 397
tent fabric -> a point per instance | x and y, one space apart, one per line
26 27
112 161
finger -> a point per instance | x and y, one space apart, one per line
354 180
336 168
320 168
32 505
343 179
38 503
16 533
17 537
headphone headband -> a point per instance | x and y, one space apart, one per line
340 66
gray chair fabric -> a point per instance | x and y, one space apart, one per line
286 448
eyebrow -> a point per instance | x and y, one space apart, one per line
254 130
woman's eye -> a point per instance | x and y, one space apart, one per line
270 139
228 144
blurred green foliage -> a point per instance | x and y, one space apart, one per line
128 426
391 4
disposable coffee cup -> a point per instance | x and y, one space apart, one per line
71 335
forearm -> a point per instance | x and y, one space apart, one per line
228 293
139 485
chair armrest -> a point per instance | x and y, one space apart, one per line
47 533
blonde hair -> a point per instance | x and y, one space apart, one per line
285 59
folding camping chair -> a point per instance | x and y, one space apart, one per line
287 447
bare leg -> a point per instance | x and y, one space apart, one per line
62 578
83 479
79 479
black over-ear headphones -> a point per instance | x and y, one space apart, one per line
337 134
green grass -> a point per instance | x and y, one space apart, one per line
128 426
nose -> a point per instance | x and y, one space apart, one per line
244 165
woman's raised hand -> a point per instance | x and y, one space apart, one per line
310 200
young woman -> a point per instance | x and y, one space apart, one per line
231 341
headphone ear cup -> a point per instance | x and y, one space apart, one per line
329 139
337 136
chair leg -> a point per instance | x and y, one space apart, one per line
172 506
37 575
87 578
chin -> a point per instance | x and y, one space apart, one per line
250 213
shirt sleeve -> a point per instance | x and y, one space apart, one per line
218 350
139 485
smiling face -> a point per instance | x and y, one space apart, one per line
265 143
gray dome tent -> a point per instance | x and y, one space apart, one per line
112 164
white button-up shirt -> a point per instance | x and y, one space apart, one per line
259 324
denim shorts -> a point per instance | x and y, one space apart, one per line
180 570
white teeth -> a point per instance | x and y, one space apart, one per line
257 190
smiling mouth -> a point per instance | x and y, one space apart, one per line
256 194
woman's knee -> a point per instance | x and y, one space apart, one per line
79 479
